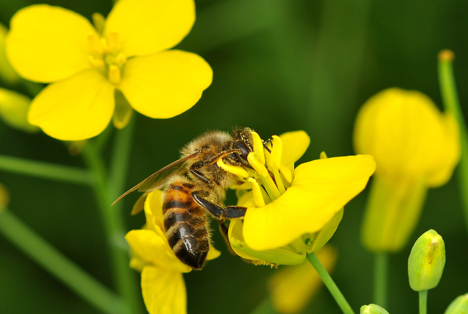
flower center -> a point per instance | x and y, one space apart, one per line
271 177
105 54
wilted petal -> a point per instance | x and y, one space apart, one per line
148 26
320 189
165 84
163 291
74 109
48 44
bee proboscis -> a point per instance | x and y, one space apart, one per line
194 185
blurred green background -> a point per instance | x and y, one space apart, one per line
278 66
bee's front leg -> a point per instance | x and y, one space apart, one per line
218 211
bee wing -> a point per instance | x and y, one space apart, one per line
157 179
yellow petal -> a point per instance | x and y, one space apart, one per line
212 253
320 189
123 111
149 26
325 234
407 135
449 154
392 212
295 145
294 286
47 43
74 109
280 256
154 211
155 250
163 291
165 84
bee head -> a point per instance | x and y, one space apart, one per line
242 140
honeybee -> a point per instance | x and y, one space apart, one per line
194 185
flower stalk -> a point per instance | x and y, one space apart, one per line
451 103
105 189
423 301
380 278
330 284
45 170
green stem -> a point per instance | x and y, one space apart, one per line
266 307
115 231
116 181
45 170
58 265
451 104
330 284
380 278
423 302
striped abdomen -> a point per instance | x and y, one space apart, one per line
185 224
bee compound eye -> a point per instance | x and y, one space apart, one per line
244 149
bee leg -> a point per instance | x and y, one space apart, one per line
194 170
224 232
218 211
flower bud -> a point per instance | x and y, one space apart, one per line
372 309
459 305
426 261
7 73
14 110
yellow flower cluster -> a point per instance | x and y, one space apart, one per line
91 67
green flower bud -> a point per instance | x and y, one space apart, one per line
7 73
14 110
372 309
458 306
426 261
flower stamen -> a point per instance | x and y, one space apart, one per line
258 147
257 193
264 174
238 171
114 74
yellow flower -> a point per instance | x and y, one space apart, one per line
162 282
14 110
92 66
415 147
292 287
302 207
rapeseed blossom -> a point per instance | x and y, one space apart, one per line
90 67
415 147
162 282
293 211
